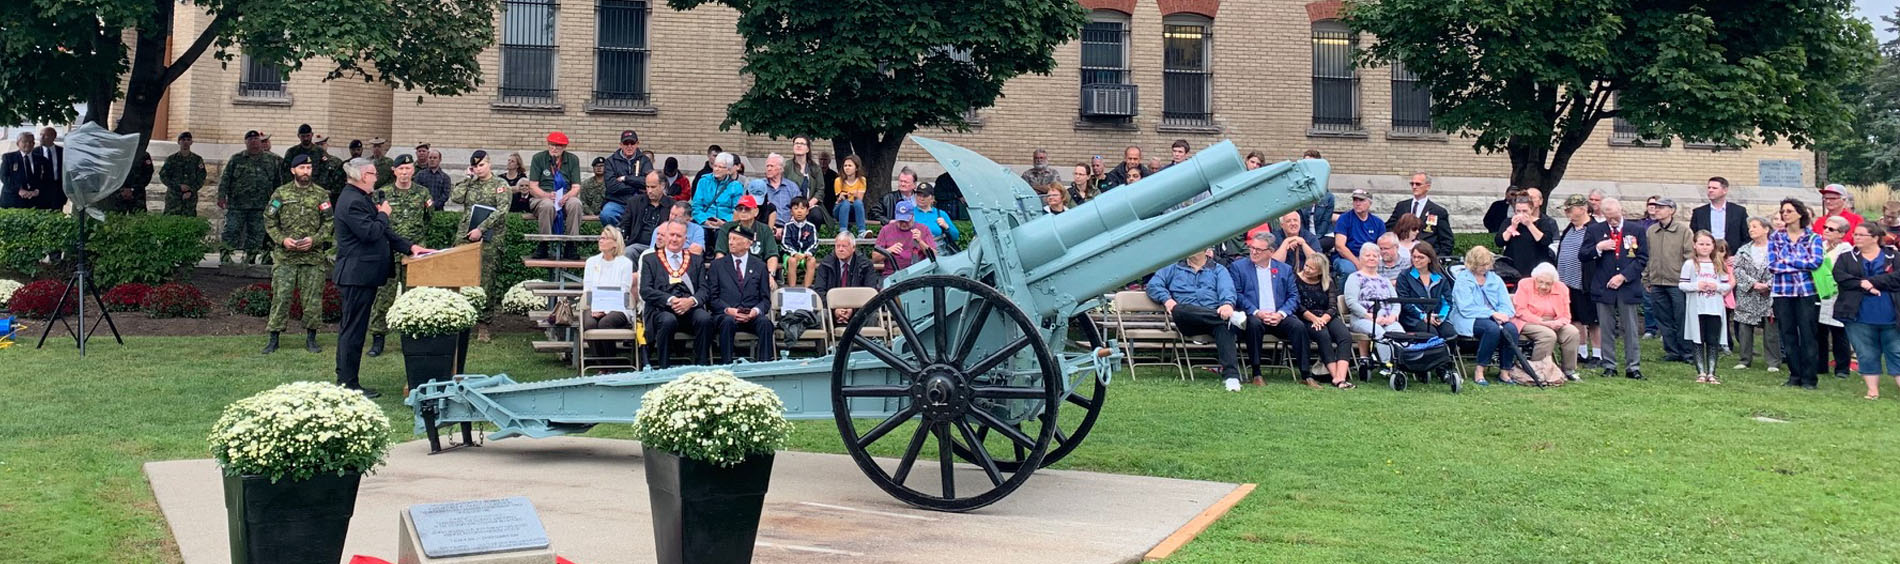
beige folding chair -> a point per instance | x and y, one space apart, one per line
819 336
587 360
1146 333
854 299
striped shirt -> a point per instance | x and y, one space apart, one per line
1569 265
1791 264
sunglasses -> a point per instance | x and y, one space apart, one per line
1418 183
1833 230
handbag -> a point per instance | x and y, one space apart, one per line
563 313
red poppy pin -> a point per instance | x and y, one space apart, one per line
1274 270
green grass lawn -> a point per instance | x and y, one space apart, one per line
1605 470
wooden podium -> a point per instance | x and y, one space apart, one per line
448 268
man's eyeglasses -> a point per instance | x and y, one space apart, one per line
1258 250
1418 183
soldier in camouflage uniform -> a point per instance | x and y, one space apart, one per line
482 187
183 175
409 213
243 190
327 171
385 168
300 225
306 145
594 189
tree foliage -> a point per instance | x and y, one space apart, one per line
1533 78
70 51
869 72
1868 150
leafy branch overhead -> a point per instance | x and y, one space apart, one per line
1535 78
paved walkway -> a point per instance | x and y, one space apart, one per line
591 495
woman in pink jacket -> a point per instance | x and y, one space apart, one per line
1543 316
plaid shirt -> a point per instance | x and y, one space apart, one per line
1791 264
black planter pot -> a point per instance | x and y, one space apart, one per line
461 353
426 359
289 522
704 514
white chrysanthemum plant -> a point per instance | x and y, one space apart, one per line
713 417
300 430
519 300
476 295
431 312
7 288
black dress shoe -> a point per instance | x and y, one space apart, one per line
1634 374
271 346
310 342
1808 387
376 346
1609 373
540 251
368 393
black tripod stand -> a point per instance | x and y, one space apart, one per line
80 280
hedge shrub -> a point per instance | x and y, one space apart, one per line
147 249
176 300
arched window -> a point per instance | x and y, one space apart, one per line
1335 81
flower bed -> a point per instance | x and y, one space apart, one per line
129 296
176 300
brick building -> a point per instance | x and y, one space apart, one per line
1272 75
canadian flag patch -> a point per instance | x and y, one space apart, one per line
323 206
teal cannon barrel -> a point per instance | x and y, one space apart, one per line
1054 263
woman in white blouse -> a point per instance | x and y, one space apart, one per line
611 272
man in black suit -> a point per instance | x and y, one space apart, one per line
673 286
18 170
1728 221
1437 221
1620 250
741 296
365 245
52 195
845 268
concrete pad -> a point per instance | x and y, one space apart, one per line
591 495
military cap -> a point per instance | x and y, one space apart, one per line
252 134
477 157
376 141
185 135
302 129
299 160
403 160
356 143
600 161
320 140
744 232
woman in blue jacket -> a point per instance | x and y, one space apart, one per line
1481 309
1426 279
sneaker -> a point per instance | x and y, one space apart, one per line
1742 366
1233 384
1774 369
1648 335
1572 376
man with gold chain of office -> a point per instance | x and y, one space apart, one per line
482 187
298 221
409 213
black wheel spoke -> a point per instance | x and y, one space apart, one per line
981 454
887 426
889 357
946 461
1004 392
967 340
1061 437
1015 435
910 453
902 321
997 358
939 321
1077 399
875 391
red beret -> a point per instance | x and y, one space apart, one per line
557 138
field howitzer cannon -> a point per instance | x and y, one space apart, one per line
979 358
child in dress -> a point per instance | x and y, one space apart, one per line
801 242
1705 279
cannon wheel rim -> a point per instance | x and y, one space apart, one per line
946 432
1090 404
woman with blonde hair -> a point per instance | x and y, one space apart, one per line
516 175
1480 309
1543 316
607 273
1320 309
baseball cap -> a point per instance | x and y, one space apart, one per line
747 201
629 136
906 211
1361 194
1576 201
557 138
1834 189
299 160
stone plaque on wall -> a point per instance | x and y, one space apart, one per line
1785 173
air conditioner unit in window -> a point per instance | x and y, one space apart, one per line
1108 100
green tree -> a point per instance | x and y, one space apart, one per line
1868 150
63 52
1533 78
867 73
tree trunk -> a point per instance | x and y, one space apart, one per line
99 96
147 82
879 153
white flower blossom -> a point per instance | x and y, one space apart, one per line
713 417
299 430
428 312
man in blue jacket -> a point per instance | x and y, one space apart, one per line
1620 251
1199 296
1264 288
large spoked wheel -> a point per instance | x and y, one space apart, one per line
969 372
1084 401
